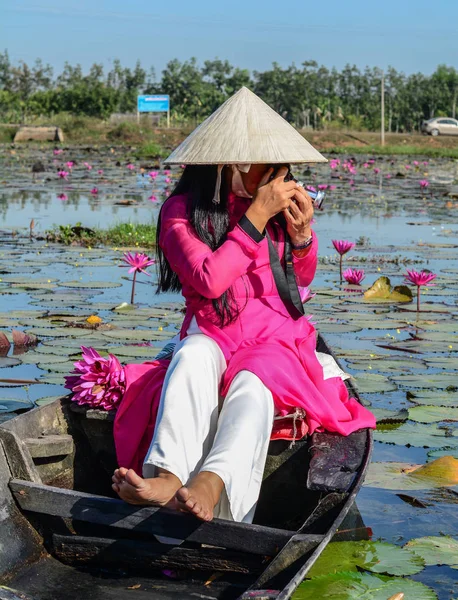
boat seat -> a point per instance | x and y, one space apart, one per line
50 446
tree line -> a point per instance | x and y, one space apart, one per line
305 95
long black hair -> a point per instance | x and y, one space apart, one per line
211 222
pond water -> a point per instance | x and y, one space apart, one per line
401 361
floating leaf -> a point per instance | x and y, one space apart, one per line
384 415
416 434
381 291
378 557
436 380
14 404
433 454
436 550
433 397
403 476
433 414
90 284
369 383
354 586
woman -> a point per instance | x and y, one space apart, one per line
243 357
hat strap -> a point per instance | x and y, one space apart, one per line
216 195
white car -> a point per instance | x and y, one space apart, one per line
440 125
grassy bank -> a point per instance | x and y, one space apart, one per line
120 235
147 141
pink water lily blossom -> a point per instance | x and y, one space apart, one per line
153 198
354 276
424 183
138 263
97 381
94 191
57 151
305 294
153 174
376 170
166 172
342 247
63 174
131 167
62 196
69 164
100 172
88 166
419 279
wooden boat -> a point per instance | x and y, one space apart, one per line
64 534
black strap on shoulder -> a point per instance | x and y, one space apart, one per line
285 280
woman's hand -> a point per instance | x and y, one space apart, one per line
298 216
271 198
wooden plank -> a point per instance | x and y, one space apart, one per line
255 539
49 446
18 456
139 555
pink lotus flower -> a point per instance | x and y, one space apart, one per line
425 163
182 166
352 170
323 186
153 174
96 381
415 163
366 165
334 163
138 263
94 191
153 198
57 151
100 172
88 166
310 188
423 278
131 167
371 161
332 187
342 247
424 184
388 176
376 170
69 164
168 180
351 182
167 172
407 167
63 174
354 276
305 294
62 196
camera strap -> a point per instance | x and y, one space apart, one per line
285 279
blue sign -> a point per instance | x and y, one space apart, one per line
153 103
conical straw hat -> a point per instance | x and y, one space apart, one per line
244 130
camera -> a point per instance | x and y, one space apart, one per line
318 197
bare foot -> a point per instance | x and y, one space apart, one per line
201 495
157 491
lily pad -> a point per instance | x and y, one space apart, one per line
138 334
441 472
433 414
355 586
416 434
381 291
9 361
46 400
8 405
58 332
378 557
90 284
369 383
433 454
435 380
436 550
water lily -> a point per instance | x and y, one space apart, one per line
153 174
62 196
388 176
69 164
63 174
415 163
168 180
376 170
332 187
310 188
354 276
153 198
424 184
57 151
305 294
88 166
334 163
342 247
137 262
366 165
100 172
407 167
167 172
96 381
131 167
419 279
323 186
94 191
371 161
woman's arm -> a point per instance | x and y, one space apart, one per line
305 263
209 273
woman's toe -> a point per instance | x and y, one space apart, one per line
115 487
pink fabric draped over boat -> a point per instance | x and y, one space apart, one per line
264 339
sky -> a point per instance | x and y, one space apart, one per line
412 36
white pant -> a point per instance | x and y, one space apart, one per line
195 431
